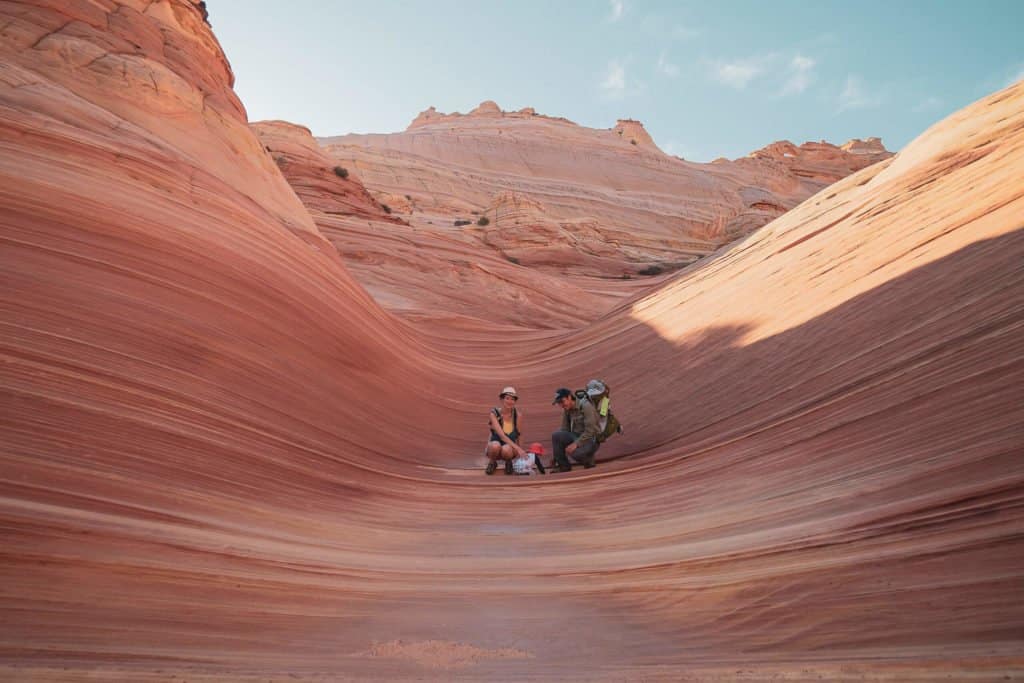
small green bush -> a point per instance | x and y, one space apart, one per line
651 270
513 259
341 171
459 223
387 209
483 221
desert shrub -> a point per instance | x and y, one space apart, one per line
387 209
409 197
627 276
341 171
632 142
513 259
651 270
483 221
459 223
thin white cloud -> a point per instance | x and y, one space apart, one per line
1019 76
614 83
1002 78
855 95
666 67
618 9
680 32
737 74
617 84
928 104
799 75
674 148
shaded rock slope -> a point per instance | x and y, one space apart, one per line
224 460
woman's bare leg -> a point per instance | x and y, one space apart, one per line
494 450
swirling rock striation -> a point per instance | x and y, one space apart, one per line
223 460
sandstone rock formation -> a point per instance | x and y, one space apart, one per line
644 210
224 461
321 185
424 273
633 132
869 147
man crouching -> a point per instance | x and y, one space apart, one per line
577 436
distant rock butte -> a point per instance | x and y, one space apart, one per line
641 207
486 109
633 132
870 146
823 161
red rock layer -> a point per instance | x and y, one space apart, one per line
424 274
321 185
642 210
223 461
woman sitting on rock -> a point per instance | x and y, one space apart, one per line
506 425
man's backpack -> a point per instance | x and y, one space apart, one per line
608 424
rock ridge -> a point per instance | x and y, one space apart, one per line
488 109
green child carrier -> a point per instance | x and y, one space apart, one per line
599 394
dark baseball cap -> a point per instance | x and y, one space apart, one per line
560 394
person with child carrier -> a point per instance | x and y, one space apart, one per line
506 426
599 394
577 436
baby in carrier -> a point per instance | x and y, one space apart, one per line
529 463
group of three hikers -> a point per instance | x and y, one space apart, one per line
586 422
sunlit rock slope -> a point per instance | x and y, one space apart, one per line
223 460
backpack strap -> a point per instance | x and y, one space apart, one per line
501 423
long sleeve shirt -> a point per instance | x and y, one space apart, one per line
581 420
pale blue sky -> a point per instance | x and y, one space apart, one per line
706 79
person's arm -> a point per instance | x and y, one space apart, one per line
590 429
519 428
565 421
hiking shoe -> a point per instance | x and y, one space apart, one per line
508 467
491 466
588 464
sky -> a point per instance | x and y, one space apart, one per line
707 79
